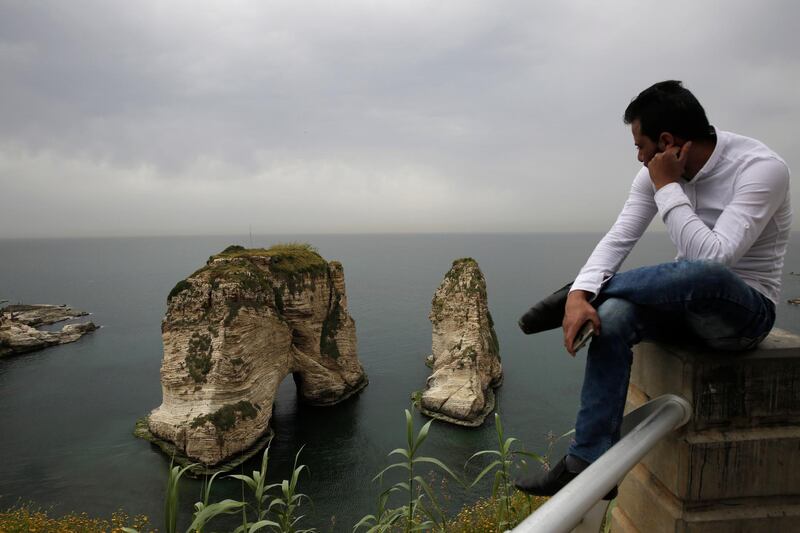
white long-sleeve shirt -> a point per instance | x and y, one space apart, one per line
735 211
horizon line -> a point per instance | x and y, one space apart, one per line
343 233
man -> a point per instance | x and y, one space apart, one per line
724 199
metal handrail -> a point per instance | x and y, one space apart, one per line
579 506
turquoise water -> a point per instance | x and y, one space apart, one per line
67 413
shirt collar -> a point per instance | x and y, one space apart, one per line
714 158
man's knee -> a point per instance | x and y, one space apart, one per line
704 272
618 318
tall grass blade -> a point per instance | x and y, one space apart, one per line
210 511
423 434
437 462
410 432
171 498
261 524
482 452
379 476
485 471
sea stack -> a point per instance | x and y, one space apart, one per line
232 332
466 354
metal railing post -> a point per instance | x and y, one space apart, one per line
641 430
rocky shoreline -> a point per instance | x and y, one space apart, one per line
142 431
20 333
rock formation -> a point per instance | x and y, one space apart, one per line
233 331
466 354
19 323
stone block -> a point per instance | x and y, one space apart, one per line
713 464
733 467
728 390
644 505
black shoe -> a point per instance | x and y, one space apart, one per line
547 314
547 483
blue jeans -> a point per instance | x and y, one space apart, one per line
698 300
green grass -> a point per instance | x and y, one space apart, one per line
30 518
287 258
413 503
480 516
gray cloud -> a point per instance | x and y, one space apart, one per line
360 116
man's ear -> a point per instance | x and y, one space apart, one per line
665 139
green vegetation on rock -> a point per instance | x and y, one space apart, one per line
225 417
242 266
476 286
495 342
233 249
179 287
475 283
330 327
288 258
278 295
198 358
471 353
233 311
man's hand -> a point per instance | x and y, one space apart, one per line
577 311
668 166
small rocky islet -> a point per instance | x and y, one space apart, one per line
466 353
20 323
233 331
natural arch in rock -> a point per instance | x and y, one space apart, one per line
233 331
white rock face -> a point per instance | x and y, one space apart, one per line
234 330
465 359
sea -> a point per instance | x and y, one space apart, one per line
67 413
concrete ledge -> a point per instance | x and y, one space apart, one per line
727 389
647 506
714 464
734 467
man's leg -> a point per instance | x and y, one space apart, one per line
605 382
687 298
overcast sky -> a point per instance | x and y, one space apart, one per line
192 117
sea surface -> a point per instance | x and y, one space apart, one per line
67 413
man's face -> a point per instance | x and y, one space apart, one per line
646 148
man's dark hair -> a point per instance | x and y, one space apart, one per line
669 106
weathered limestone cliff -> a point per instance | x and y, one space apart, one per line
19 324
233 331
466 354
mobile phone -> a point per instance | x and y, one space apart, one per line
583 336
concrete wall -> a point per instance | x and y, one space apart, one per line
735 467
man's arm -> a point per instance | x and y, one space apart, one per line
608 255
759 190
